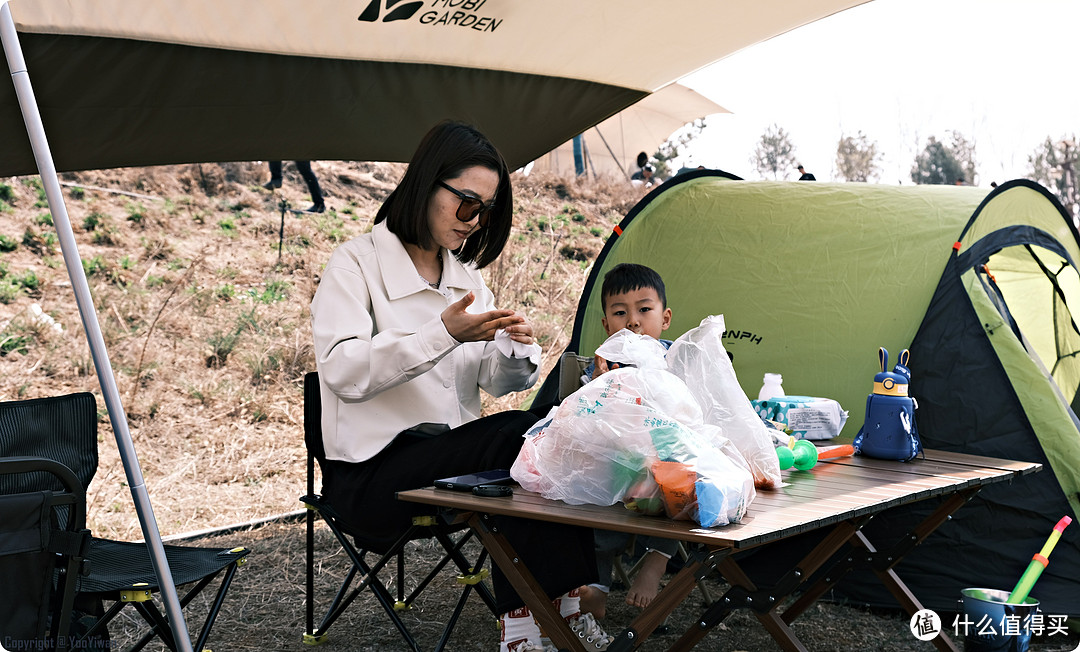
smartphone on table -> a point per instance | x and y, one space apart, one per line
470 481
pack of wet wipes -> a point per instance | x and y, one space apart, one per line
807 417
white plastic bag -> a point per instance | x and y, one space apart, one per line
614 438
698 358
627 348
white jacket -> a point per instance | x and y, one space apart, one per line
386 361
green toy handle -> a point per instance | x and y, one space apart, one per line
1039 562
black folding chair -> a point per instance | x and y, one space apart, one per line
43 540
64 429
384 552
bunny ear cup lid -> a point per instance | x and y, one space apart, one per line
883 358
902 365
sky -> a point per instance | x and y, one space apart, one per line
1004 74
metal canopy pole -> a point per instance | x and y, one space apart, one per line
47 168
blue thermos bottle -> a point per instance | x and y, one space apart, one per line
889 431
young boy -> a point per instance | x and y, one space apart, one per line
633 298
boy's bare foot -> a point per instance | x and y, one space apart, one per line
647 581
593 601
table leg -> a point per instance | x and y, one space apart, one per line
503 554
903 594
744 592
883 562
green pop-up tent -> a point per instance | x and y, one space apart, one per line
813 277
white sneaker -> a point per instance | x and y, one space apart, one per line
591 634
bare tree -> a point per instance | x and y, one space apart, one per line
945 163
1054 164
774 153
671 148
964 151
857 158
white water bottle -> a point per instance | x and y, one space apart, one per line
772 387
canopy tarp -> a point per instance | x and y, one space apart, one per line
124 83
613 145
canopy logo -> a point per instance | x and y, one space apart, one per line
445 13
404 12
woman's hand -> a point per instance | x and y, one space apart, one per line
522 331
467 327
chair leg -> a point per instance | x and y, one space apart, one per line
310 579
452 552
617 564
219 599
706 595
159 625
101 624
449 629
481 589
392 605
370 575
157 620
387 602
337 606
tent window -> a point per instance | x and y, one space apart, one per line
1042 293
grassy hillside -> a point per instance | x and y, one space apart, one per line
205 314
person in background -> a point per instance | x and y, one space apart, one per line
644 177
804 175
406 335
318 205
642 161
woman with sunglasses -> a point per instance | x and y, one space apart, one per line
405 334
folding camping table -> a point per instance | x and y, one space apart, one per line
840 494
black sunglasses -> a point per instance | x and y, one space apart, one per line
471 206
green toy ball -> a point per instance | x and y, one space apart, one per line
802 456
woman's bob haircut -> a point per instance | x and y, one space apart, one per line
444 153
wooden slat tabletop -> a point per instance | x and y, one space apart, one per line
835 490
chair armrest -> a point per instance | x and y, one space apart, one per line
570 369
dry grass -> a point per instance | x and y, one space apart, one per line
207 327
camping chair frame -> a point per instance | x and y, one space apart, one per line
213 562
68 537
64 429
471 575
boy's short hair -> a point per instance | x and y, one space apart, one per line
626 277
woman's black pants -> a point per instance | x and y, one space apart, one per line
561 557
